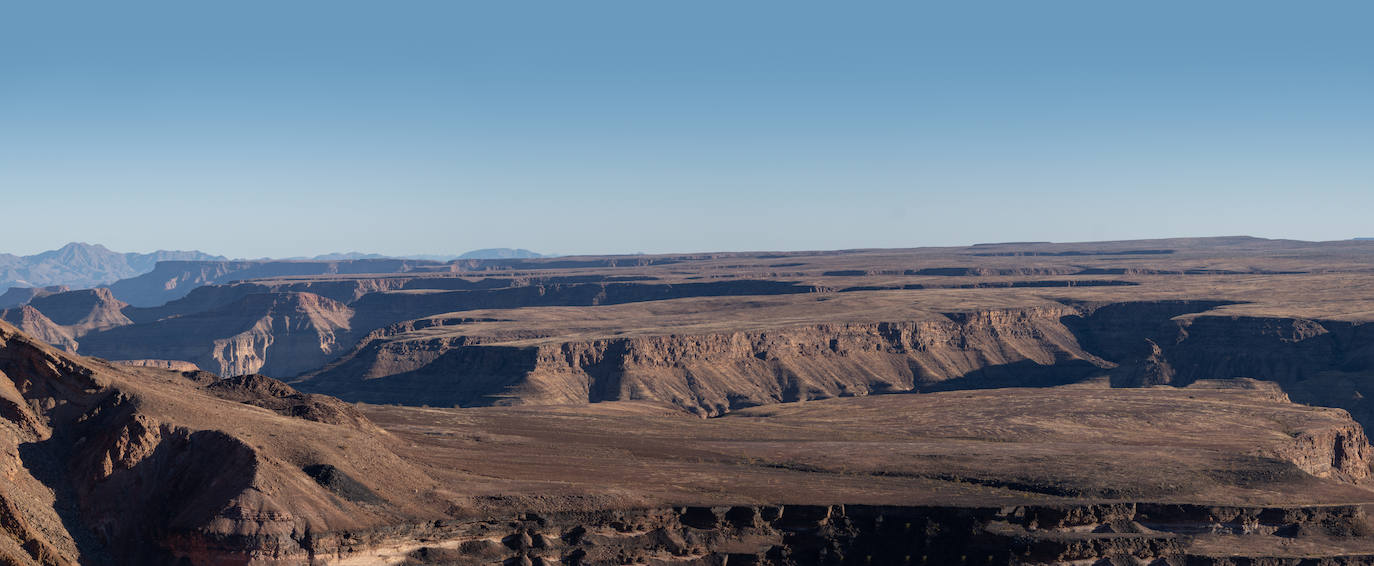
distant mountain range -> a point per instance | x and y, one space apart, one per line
83 266
80 265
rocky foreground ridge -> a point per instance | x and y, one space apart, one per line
131 466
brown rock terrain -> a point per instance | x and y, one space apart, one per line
1042 403
62 318
118 464
131 465
705 355
174 365
834 323
279 333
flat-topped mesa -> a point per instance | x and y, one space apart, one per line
712 372
709 356
171 280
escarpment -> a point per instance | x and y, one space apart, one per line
278 333
513 356
284 328
1321 362
712 373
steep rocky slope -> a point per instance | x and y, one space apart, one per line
148 467
712 357
34 323
83 312
20 296
276 333
61 319
225 328
463 361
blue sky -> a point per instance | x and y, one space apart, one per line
294 128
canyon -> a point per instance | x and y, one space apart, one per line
1183 401
138 465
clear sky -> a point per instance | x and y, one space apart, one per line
295 127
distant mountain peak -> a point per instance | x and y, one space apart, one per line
81 265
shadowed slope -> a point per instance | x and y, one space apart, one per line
160 466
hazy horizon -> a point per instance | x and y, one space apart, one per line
269 130
431 255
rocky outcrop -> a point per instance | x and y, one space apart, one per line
268 393
173 365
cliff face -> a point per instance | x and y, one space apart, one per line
1326 363
281 334
713 373
1135 344
232 329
